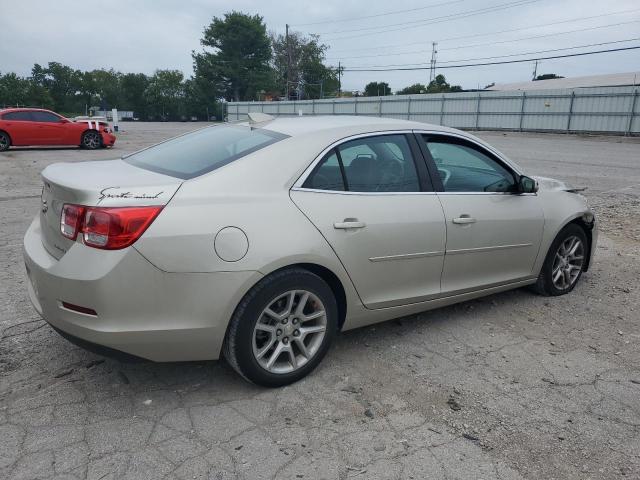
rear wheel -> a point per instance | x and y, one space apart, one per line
564 263
282 328
5 142
91 140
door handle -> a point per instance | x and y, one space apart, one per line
349 223
464 220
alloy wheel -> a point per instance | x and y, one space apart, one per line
91 140
289 331
567 263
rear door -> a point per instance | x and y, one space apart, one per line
375 205
493 232
20 126
49 128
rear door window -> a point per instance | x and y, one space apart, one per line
204 150
44 117
17 116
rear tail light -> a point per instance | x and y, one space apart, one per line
112 228
71 220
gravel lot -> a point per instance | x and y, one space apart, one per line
507 387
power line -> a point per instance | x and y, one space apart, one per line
429 21
459 47
491 33
496 63
353 19
502 56
566 32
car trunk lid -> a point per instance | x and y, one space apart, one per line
112 183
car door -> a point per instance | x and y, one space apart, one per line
493 232
375 205
20 127
50 129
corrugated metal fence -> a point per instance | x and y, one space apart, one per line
600 109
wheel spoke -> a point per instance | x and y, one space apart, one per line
302 303
304 331
272 314
265 328
266 348
557 275
313 316
302 347
292 357
289 307
274 356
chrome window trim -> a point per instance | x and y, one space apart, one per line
305 174
297 186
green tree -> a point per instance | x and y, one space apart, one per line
413 89
377 89
238 62
133 87
309 76
440 85
165 95
63 84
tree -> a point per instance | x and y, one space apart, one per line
440 85
165 94
63 84
310 77
413 89
239 62
134 86
547 76
377 89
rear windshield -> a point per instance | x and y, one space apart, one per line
204 150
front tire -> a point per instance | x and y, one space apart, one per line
5 142
564 263
91 140
282 328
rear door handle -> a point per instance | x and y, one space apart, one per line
464 219
349 223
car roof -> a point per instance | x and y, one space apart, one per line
24 109
301 125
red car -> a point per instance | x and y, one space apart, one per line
34 126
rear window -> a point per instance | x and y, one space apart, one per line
202 151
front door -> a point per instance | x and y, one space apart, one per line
49 128
375 207
493 232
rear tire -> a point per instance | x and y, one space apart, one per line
564 262
91 140
282 328
5 142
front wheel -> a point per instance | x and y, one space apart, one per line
282 328
91 140
564 263
5 142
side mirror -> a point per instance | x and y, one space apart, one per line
527 185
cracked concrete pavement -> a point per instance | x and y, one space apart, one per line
512 386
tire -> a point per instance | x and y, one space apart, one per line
254 337
554 279
5 142
91 140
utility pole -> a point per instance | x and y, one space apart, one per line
339 80
535 71
288 63
432 67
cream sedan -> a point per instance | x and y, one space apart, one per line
259 241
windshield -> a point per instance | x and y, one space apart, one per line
202 151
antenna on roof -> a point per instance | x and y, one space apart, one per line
257 117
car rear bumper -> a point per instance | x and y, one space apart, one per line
139 309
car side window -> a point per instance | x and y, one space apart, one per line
17 116
327 175
463 168
44 117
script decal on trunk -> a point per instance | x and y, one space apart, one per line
105 194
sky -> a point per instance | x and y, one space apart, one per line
145 35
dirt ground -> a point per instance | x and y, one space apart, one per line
512 386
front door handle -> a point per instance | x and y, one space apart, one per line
464 220
348 223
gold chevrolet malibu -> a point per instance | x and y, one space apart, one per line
259 241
